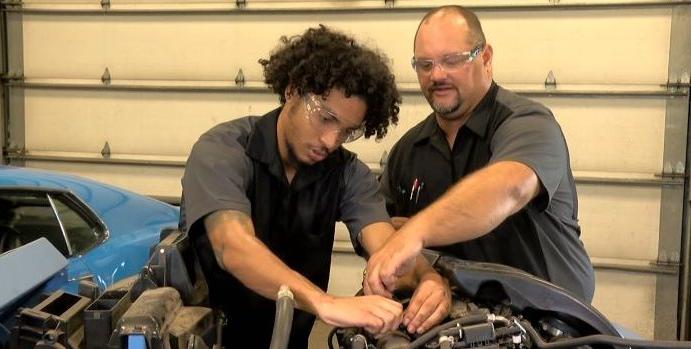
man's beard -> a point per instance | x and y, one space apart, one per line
447 112
293 158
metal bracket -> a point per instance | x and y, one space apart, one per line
685 77
105 152
241 3
14 4
240 78
683 81
671 260
550 80
105 78
16 152
12 76
672 171
105 4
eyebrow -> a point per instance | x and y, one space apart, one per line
332 114
345 126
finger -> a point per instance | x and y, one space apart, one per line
414 306
393 307
391 316
392 269
426 309
374 282
384 308
380 327
391 323
371 323
393 326
387 276
439 314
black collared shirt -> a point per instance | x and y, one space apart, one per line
544 237
236 166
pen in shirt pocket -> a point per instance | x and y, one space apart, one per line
415 190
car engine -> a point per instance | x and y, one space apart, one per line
496 306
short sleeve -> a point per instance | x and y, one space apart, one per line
534 139
386 187
362 203
216 177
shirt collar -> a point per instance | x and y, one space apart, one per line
477 122
480 118
263 147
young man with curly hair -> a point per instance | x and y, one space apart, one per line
261 195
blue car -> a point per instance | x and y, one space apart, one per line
104 232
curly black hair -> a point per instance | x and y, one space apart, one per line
322 59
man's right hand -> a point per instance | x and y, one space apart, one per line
375 314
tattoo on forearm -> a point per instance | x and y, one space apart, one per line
220 218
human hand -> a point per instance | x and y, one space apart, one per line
375 314
390 263
429 305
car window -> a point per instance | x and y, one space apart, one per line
27 216
81 233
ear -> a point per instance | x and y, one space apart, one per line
487 55
289 92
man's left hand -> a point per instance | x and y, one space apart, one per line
394 260
430 303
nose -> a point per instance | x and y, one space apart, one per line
437 73
330 140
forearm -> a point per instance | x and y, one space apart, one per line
239 252
476 205
258 269
375 235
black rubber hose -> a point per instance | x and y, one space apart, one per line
420 341
330 337
601 339
283 322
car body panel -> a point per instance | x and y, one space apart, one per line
133 224
38 261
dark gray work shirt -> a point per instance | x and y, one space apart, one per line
236 166
544 237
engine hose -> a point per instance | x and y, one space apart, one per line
466 320
283 322
331 335
601 339
220 322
